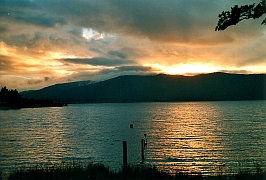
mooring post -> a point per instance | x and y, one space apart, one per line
124 157
124 160
142 149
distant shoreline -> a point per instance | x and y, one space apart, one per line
11 99
112 102
30 103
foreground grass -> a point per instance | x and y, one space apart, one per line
75 171
78 171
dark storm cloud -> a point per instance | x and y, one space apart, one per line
75 32
97 61
117 54
158 20
28 12
123 70
110 73
167 21
3 29
42 20
38 43
134 68
18 4
172 20
33 18
24 39
153 19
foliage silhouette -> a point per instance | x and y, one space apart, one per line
11 95
10 98
97 171
237 14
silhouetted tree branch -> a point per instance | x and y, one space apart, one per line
237 14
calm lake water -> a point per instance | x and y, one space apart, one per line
205 137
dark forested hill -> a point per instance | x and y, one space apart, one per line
53 92
151 88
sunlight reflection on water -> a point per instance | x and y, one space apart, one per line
186 137
202 137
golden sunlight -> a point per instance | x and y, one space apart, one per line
184 69
59 55
6 50
200 131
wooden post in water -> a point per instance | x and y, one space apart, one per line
125 158
142 149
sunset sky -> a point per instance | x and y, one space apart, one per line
56 41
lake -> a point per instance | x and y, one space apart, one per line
206 137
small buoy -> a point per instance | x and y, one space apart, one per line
131 125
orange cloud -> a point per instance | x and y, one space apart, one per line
95 40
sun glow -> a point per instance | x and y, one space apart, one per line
58 55
185 69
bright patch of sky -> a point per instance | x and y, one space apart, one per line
89 34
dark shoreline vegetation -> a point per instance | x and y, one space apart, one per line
80 171
11 99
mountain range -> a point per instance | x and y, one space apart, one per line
158 88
